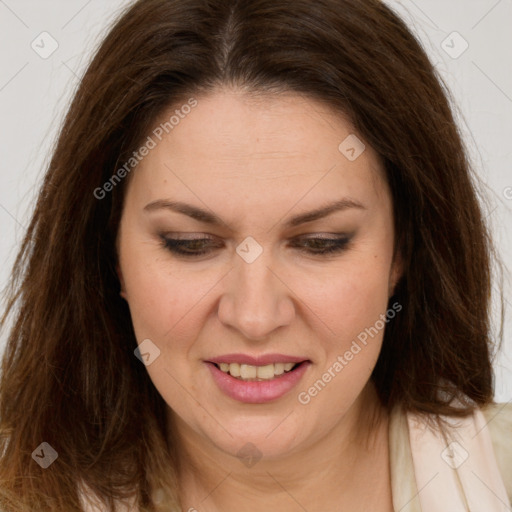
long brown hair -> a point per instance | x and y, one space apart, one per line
69 374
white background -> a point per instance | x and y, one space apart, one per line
34 94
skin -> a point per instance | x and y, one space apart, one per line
254 163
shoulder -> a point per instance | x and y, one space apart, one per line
499 422
476 445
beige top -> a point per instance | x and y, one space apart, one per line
468 470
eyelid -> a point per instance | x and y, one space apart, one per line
339 243
206 236
194 235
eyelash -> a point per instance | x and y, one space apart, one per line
175 245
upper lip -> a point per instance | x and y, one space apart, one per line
260 360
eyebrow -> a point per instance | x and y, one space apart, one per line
210 218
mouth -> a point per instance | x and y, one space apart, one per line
253 373
257 384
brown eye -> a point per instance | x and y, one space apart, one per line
322 245
191 247
188 246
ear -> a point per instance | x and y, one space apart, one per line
397 271
121 281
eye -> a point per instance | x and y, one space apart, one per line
193 247
322 245
187 246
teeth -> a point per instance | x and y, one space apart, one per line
278 368
250 372
234 369
247 371
265 372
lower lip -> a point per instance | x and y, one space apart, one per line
257 392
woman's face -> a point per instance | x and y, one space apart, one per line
246 175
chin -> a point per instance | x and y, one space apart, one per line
269 438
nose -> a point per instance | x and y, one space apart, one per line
256 300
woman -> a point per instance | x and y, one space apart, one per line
257 276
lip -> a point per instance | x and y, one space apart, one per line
260 360
257 392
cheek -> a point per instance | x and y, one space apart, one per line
162 310
159 303
157 297
353 306
352 298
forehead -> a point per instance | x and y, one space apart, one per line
234 146
232 124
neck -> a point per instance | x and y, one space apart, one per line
340 467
